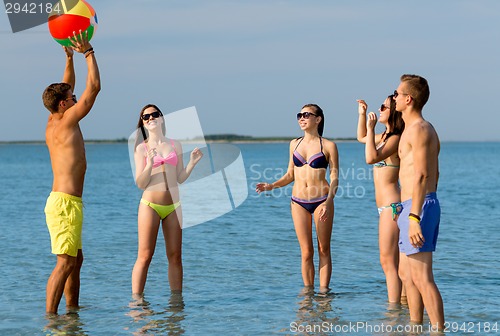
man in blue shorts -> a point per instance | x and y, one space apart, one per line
419 222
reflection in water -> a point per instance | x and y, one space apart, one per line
67 324
398 316
165 322
313 313
395 313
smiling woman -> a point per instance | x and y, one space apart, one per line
312 195
159 170
381 150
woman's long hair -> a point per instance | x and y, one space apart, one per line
142 132
395 121
319 112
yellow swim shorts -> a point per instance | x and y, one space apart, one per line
64 216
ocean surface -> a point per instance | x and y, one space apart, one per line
242 269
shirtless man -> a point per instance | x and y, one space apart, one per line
67 155
419 221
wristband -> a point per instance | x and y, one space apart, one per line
89 53
413 218
417 217
88 50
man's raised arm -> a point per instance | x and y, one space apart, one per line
69 70
93 86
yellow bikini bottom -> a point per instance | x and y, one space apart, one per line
162 210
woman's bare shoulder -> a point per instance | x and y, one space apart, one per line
141 148
294 142
329 144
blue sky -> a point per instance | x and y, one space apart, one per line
249 66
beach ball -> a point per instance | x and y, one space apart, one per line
71 16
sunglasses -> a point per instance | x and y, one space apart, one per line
396 94
73 97
155 114
383 107
305 115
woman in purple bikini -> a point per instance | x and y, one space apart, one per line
312 195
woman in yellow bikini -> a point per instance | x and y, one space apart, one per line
159 170
312 195
381 150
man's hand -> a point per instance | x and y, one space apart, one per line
415 234
68 51
80 42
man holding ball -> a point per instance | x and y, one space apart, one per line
64 208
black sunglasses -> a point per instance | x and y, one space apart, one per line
73 97
155 114
305 115
383 107
396 94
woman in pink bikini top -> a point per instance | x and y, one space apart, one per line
159 171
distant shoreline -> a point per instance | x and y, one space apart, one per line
207 139
212 139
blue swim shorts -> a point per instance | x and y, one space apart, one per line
430 217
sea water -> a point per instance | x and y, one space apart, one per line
242 270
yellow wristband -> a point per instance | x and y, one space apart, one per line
415 219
